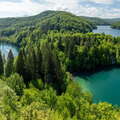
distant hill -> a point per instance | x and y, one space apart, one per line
45 21
64 21
102 21
18 29
116 25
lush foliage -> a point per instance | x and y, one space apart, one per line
45 104
39 88
48 20
102 21
37 84
116 25
86 52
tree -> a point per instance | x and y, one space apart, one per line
9 64
16 83
20 66
31 64
52 69
39 62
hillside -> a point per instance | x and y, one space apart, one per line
39 83
48 20
102 21
116 25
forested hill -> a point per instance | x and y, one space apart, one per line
102 21
38 83
48 20
116 25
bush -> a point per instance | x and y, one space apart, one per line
16 83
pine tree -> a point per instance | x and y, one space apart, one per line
57 73
45 61
31 63
20 66
39 62
9 64
52 70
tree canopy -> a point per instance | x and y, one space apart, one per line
38 84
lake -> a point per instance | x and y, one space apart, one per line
6 47
107 30
104 85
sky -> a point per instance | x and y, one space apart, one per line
93 8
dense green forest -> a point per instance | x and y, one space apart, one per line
48 20
102 21
116 25
38 84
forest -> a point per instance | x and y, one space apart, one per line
38 84
48 20
116 25
102 21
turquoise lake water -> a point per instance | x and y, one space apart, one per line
104 85
5 48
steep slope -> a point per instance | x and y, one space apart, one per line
64 21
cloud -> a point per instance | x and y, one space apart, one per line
102 1
98 8
25 7
10 0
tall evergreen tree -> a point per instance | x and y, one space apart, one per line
31 63
53 73
20 66
9 64
45 62
39 62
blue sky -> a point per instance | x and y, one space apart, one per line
93 8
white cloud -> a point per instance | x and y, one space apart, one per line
102 1
26 7
30 7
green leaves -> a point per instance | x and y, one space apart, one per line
16 83
9 65
116 25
